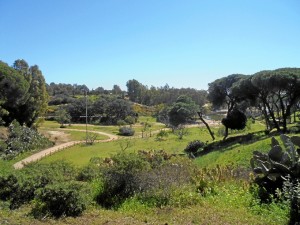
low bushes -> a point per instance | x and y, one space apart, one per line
126 131
193 147
64 199
152 178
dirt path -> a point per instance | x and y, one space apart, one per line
48 151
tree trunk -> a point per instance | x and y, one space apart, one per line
206 124
226 133
271 112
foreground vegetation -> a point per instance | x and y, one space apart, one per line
162 169
218 187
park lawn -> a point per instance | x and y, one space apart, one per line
80 136
81 154
53 125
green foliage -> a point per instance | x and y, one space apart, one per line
90 171
161 135
291 192
182 111
220 91
64 199
130 120
22 139
20 187
193 147
62 117
149 175
121 123
180 131
273 168
126 131
14 92
8 186
120 179
235 120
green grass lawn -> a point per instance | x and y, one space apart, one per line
81 154
79 135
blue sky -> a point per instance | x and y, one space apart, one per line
186 43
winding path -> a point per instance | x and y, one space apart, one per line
48 151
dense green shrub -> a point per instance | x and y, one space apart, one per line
121 123
130 120
19 190
151 177
89 172
120 179
22 139
8 186
126 131
235 120
64 199
161 135
20 187
193 147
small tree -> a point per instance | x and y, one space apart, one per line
182 111
62 117
180 131
161 135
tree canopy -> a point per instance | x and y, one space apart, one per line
23 93
274 92
182 111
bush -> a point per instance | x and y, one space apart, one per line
119 179
130 120
193 147
126 131
121 123
161 135
152 179
64 199
8 186
22 139
235 120
19 188
88 173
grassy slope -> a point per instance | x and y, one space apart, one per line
230 206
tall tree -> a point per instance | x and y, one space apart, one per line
278 92
36 104
116 90
119 109
134 89
14 93
220 93
22 66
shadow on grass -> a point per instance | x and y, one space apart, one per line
229 143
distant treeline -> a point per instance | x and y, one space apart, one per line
136 92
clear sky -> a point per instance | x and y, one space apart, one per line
185 43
